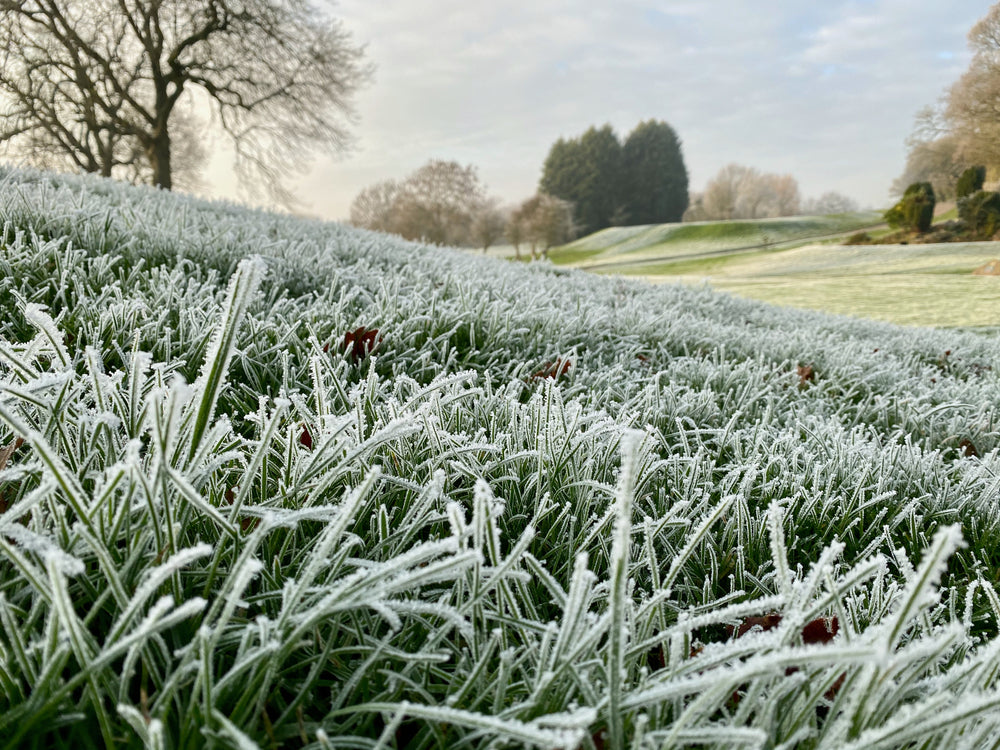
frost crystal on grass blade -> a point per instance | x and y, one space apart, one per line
649 550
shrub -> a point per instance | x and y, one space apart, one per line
981 213
970 181
915 210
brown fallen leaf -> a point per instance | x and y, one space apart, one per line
966 448
820 630
359 343
8 450
552 369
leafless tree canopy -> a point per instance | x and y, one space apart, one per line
101 85
740 192
830 202
938 161
543 221
488 224
438 201
373 208
443 202
973 103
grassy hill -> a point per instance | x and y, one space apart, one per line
615 247
276 483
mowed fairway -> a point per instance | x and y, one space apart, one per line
930 285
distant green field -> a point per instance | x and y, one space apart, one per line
930 285
791 261
616 246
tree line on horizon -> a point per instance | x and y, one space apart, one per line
587 183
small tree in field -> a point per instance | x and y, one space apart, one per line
546 221
915 210
488 224
515 231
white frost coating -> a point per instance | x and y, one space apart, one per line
45 548
36 315
531 616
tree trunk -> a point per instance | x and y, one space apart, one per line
158 152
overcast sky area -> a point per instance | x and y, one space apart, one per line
824 90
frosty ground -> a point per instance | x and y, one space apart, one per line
532 508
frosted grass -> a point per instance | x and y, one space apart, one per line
466 553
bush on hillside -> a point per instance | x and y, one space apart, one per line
981 213
970 181
915 210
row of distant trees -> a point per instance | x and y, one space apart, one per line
445 203
113 88
962 130
588 183
741 192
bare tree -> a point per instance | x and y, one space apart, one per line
830 202
784 196
515 231
547 221
375 207
933 154
719 201
488 223
740 192
937 161
973 103
437 202
99 85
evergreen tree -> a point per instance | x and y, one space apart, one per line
656 180
915 210
587 172
970 181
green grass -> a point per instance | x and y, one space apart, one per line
618 246
909 284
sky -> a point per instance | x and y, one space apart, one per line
823 90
